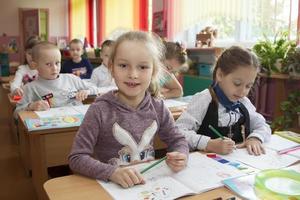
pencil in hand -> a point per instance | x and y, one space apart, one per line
216 132
153 164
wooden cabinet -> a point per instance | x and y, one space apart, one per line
193 84
270 91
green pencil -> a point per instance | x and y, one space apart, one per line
153 164
216 132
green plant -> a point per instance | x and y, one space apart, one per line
293 61
97 52
290 109
273 53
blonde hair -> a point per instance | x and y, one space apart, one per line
156 48
38 48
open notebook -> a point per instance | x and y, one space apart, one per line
201 174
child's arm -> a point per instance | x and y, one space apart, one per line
89 69
175 140
83 87
17 82
30 100
39 105
81 157
172 87
260 131
220 146
127 177
176 161
191 119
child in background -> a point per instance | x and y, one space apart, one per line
101 76
25 73
52 89
77 65
175 61
118 129
225 107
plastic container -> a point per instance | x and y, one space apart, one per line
204 69
4 63
276 184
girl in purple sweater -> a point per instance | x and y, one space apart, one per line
119 128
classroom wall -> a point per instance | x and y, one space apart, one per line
58 15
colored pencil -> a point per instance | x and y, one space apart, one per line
153 164
216 132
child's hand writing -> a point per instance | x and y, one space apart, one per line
18 92
127 177
176 161
39 105
254 146
220 146
82 95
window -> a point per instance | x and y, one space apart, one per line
237 21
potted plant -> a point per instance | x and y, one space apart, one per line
272 54
291 112
97 52
293 62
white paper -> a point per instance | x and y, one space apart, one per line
171 103
57 112
279 143
270 160
82 109
201 174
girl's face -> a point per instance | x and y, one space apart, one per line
132 69
238 83
105 54
172 65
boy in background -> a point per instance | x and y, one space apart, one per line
101 76
52 89
77 65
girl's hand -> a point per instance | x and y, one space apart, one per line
254 146
220 146
82 95
176 161
18 92
127 177
39 105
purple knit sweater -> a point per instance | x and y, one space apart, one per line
114 134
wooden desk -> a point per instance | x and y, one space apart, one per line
77 187
47 148
6 79
12 123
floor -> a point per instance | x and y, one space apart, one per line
14 183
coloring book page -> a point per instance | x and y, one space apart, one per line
162 183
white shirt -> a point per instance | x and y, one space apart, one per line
23 72
101 77
191 119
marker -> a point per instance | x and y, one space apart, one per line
216 132
153 164
288 150
211 155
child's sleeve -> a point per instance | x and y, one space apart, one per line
28 97
191 119
17 82
170 134
258 126
81 157
94 77
82 85
89 69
